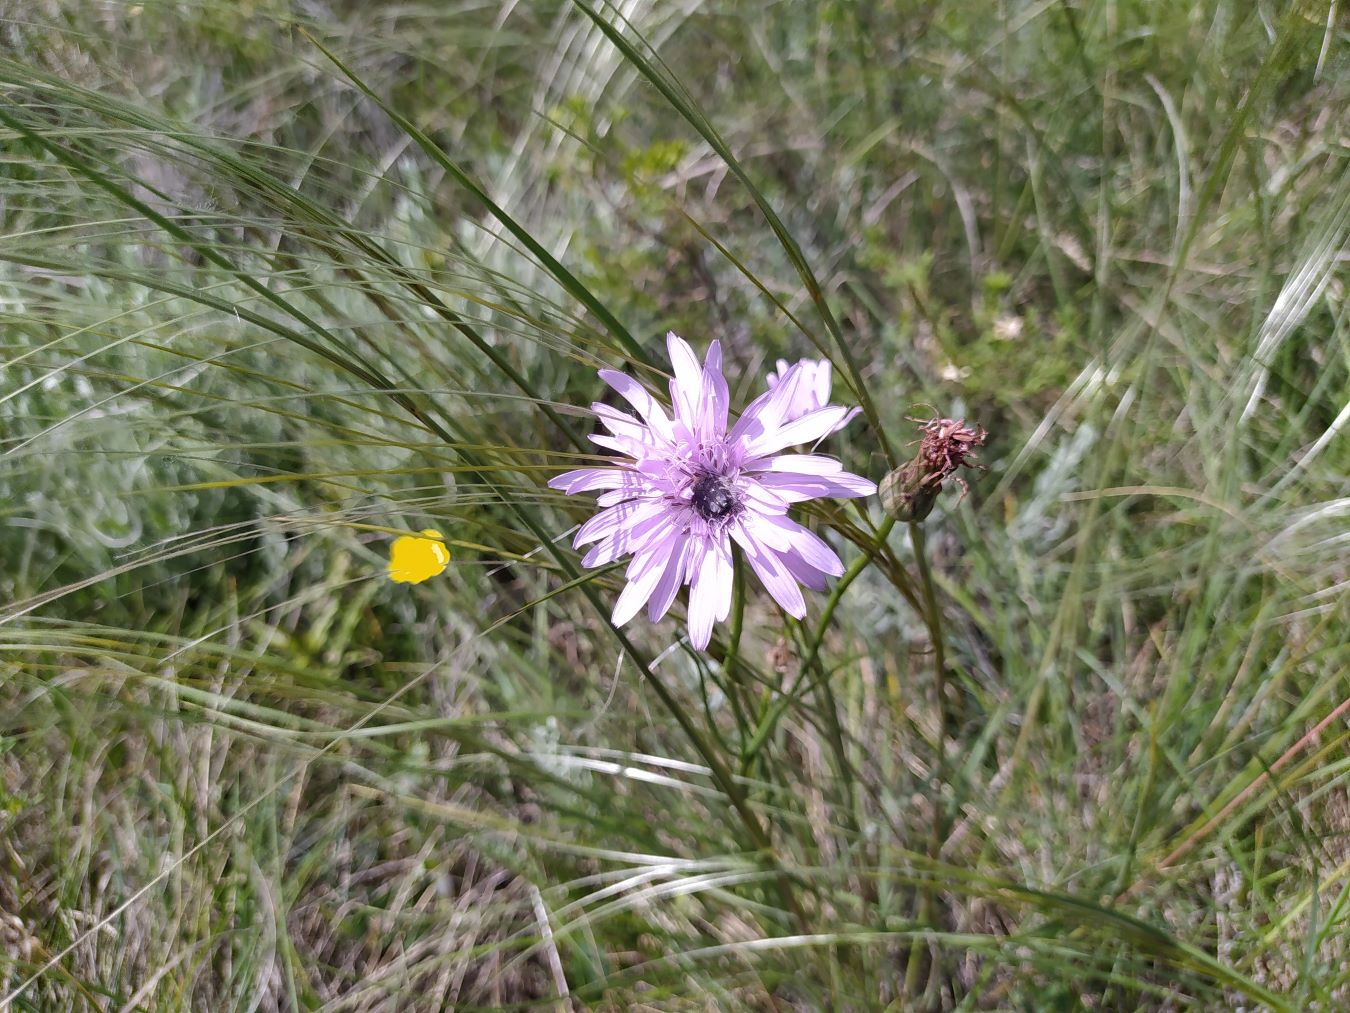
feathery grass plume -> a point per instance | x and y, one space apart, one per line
691 487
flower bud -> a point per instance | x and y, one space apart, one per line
904 494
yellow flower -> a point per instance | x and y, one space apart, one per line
413 559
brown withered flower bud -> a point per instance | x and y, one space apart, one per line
910 491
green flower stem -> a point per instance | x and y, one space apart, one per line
731 659
721 773
769 718
927 900
933 620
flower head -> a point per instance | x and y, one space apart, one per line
688 486
413 558
910 491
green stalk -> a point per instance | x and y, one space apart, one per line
933 620
770 720
731 659
932 615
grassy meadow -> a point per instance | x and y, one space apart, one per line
282 281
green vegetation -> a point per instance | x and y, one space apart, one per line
281 281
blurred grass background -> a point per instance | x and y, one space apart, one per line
281 280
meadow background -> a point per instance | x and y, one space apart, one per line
283 279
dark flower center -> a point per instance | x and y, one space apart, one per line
713 498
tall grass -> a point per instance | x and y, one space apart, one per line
278 285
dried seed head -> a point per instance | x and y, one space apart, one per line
910 491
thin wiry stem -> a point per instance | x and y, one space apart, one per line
731 660
933 620
770 719
932 615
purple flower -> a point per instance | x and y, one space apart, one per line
690 486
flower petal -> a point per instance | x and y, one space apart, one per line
717 394
686 388
809 427
627 446
621 423
806 543
803 572
795 488
702 600
721 573
586 479
796 464
610 522
712 358
639 538
633 488
759 527
820 381
775 577
643 577
413 558
710 590
762 499
641 399
810 380
671 579
765 412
